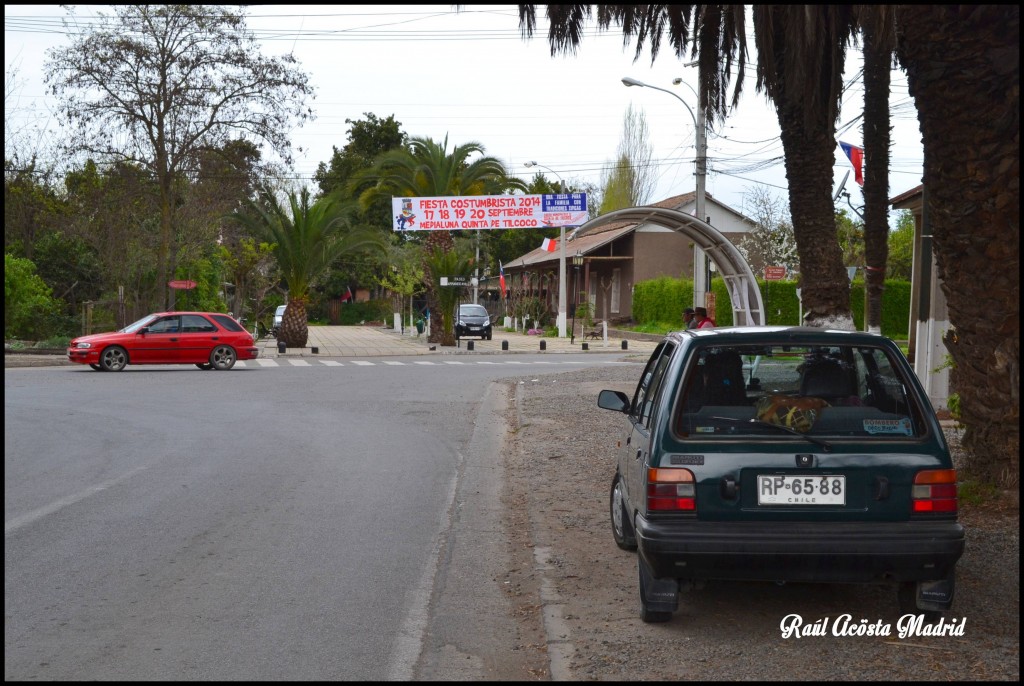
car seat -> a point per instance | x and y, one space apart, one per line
826 378
723 379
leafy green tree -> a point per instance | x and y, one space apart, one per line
70 267
405 277
29 306
901 248
32 207
248 266
116 213
308 237
367 140
851 238
155 84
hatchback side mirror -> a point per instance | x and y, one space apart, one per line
613 400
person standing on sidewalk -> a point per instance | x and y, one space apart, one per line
689 318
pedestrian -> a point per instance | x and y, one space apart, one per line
703 320
689 320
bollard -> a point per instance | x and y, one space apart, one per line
625 345
543 345
504 345
316 350
280 347
586 346
469 346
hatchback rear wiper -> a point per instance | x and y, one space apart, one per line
782 427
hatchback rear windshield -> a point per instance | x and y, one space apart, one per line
815 390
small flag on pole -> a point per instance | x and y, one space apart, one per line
856 156
501 278
549 245
347 296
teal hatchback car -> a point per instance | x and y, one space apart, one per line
784 454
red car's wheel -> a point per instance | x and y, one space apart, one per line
114 359
223 357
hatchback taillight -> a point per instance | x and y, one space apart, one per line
934 490
671 490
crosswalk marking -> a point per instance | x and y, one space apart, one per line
267 363
395 363
362 363
332 363
453 362
424 362
299 363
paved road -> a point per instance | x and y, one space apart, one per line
165 522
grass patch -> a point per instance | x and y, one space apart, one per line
977 493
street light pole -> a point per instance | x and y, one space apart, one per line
701 283
561 255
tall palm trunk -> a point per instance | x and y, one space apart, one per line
294 331
967 90
877 64
436 241
809 161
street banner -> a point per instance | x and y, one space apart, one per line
451 213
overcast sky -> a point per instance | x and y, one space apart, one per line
471 77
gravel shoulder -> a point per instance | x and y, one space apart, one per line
568 576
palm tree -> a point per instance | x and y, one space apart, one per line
309 238
451 263
962 63
425 168
879 34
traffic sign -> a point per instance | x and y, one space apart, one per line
183 284
774 273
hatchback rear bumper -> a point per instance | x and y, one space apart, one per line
830 552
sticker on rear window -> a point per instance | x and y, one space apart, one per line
889 426
705 429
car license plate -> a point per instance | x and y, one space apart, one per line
801 489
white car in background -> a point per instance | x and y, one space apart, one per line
278 316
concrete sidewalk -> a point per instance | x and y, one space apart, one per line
376 341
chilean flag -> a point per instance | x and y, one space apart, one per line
856 156
501 279
346 297
549 245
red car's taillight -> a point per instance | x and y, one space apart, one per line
671 490
934 490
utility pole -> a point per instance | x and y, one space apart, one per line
701 276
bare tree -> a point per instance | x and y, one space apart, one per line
155 84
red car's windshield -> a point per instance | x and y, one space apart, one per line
135 326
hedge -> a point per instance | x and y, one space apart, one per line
662 300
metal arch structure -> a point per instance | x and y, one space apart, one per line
747 305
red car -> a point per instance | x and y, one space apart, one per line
209 340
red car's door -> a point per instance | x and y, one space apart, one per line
198 336
158 343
